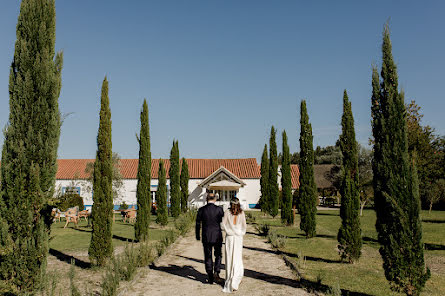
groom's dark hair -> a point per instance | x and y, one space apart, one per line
211 196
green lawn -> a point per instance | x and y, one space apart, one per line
365 276
78 239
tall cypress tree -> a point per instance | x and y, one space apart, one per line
349 234
161 196
286 185
175 189
273 198
29 156
264 181
395 182
101 247
143 194
308 188
184 180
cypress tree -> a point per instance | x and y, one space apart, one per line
184 180
286 185
143 194
395 182
308 188
349 234
175 189
264 181
273 193
101 247
29 155
161 196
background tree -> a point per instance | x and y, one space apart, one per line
101 247
349 234
365 177
175 189
328 155
395 182
117 179
29 155
161 196
308 189
184 180
273 194
264 181
287 216
423 141
143 193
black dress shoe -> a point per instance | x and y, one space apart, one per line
217 278
210 279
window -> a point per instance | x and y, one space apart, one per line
71 190
224 195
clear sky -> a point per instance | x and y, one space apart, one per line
218 74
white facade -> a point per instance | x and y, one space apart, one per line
248 195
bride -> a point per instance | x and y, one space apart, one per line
234 224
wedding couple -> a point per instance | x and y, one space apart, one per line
233 221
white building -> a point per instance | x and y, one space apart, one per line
227 177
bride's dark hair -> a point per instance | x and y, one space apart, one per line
235 207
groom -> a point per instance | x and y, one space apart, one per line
210 216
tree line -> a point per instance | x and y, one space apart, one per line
403 152
29 160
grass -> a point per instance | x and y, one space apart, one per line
78 239
366 276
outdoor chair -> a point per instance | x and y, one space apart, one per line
56 214
84 214
72 215
130 215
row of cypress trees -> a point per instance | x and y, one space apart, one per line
269 200
395 182
178 199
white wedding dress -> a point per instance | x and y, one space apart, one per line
234 249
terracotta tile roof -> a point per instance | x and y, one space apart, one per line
246 168
295 176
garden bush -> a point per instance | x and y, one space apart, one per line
70 200
278 241
123 206
263 229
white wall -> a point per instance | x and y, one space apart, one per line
248 195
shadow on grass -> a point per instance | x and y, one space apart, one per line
67 258
121 238
310 258
433 221
434 247
124 239
328 213
311 286
370 241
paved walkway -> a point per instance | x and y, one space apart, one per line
181 272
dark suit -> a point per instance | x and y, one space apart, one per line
210 216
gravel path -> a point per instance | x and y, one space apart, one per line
181 272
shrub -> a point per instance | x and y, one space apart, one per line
127 263
73 289
250 217
263 229
278 241
145 254
185 221
70 200
110 280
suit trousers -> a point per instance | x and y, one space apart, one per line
208 260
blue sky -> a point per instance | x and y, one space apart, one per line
218 74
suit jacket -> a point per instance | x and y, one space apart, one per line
210 216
